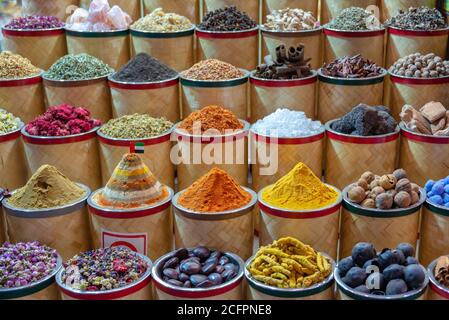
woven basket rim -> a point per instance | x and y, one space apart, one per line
245 76
110 78
80 81
168 132
178 132
321 132
34 30
226 32
383 75
38 75
393 75
430 137
19 129
417 31
433 281
313 75
329 128
43 138
291 292
325 27
143 32
290 33
158 266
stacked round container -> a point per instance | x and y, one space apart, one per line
260 291
311 39
111 47
147 230
250 7
139 290
368 43
75 155
44 289
226 231
186 8
402 43
64 228
382 228
239 48
436 290
60 9
337 96
297 94
348 156
319 227
158 98
42 47
233 94
331 8
390 8
92 94
306 5
23 97
175 49
156 156
232 290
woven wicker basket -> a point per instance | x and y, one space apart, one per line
354 155
175 49
111 47
60 9
65 229
306 5
224 231
191 164
331 8
337 96
239 48
311 39
319 228
401 43
148 231
23 97
250 7
42 47
13 173
370 44
347 293
186 8
232 290
131 7
232 94
92 94
260 291
434 232
139 290
76 156
156 156
44 289
416 92
423 157
436 290
129 98
382 228
390 8
268 95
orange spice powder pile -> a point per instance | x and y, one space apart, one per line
212 117
216 191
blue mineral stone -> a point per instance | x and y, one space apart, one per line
446 181
438 188
445 198
430 194
429 185
446 205
436 200
446 188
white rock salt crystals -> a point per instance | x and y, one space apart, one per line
291 20
285 123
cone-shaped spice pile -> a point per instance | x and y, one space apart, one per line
216 191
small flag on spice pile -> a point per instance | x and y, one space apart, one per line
138 147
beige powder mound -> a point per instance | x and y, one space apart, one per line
47 188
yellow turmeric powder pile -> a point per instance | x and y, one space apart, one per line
300 189
288 263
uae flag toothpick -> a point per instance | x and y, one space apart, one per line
138 147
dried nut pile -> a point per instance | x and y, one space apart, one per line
8 122
390 191
78 67
25 263
364 120
227 19
354 19
136 126
289 264
417 65
391 272
159 21
289 64
213 69
103 269
431 119
356 67
422 18
14 66
438 192
291 20
442 271
35 23
198 268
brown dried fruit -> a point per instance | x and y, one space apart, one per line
369 203
378 190
368 177
414 197
362 183
400 174
392 192
415 188
373 184
384 201
388 181
404 185
402 199
356 194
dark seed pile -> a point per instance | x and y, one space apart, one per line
227 19
422 18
